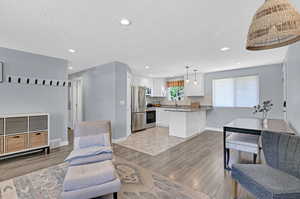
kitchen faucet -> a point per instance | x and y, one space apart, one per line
175 102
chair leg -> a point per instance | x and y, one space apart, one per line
115 195
254 158
259 156
234 189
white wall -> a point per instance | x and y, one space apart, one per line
271 87
105 95
20 98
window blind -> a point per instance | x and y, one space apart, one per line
236 92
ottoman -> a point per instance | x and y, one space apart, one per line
91 181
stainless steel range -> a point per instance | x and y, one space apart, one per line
150 118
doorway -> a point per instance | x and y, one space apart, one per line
77 101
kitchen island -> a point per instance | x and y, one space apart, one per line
186 122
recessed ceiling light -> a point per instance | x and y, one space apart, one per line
125 22
70 68
239 63
225 49
147 67
72 50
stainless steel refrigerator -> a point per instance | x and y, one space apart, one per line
138 108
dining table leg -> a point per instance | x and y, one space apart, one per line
224 147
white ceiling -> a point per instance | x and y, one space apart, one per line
165 34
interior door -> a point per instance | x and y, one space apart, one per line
77 101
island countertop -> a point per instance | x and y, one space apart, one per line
187 109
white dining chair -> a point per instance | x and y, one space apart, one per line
243 142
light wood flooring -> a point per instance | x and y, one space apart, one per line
196 163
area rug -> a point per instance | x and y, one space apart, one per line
152 141
137 183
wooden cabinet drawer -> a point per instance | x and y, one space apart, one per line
14 143
1 144
38 139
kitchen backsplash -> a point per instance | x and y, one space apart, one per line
206 100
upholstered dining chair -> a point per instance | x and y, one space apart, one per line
242 142
279 178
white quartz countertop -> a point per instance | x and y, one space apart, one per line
188 109
172 108
185 108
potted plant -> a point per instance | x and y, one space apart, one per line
264 108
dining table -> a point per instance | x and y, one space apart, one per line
254 126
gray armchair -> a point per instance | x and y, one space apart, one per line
280 177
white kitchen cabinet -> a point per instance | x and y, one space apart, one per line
162 117
159 87
185 124
191 89
143 81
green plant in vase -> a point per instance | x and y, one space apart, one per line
264 108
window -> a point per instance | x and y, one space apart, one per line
175 90
176 93
236 92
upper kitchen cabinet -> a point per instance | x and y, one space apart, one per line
143 81
191 89
159 87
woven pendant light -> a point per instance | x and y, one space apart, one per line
276 23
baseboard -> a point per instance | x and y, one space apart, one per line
64 143
57 143
213 129
119 140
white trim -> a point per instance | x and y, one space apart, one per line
55 143
128 104
213 129
64 143
76 99
284 74
23 151
22 114
119 140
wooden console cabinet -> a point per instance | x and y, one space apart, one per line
21 133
